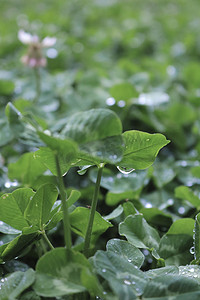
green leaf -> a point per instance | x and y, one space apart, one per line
125 279
59 273
66 149
176 243
170 270
7 229
126 251
156 217
165 287
26 170
15 119
141 149
12 286
92 125
185 193
73 197
123 91
139 233
107 150
47 157
79 222
13 206
17 245
38 210
197 238
129 209
6 134
114 214
191 271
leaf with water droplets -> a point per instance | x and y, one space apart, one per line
12 286
127 251
141 149
125 279
171 287
197 238
191 271
176 243
139 233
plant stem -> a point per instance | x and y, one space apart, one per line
38 84
47 240
66 223
43 246
92 211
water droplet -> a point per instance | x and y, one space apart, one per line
110 101
113 156
170 201
148 205
191 270
52 53
129 260
181 210
192 250
147 140
133 282
121 103
183 163
103 270
195 276
146 252
124 170
127 282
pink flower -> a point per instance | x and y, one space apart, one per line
34 57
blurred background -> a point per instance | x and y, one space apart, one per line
139 58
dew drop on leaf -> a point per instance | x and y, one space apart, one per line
192 250
103 270
127 282
124 170
110 101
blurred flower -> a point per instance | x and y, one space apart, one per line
34 57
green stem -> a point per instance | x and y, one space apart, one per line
66 223
43 246
92 211
47 240
38 84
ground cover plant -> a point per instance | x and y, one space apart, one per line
99 160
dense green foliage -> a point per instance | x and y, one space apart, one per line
112 125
